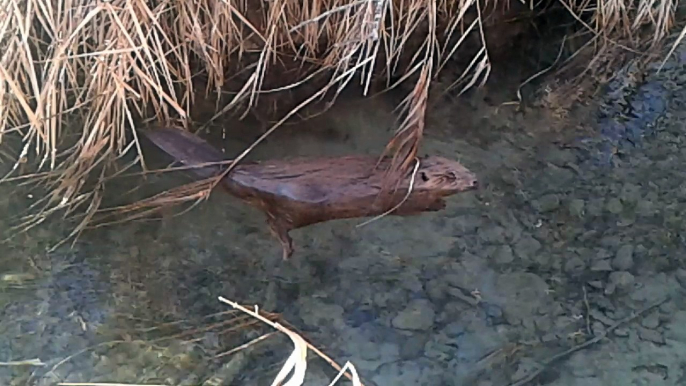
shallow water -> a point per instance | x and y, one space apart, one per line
568 236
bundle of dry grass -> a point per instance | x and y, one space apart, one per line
112 64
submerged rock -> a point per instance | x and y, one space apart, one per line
416 373
418 315
576 207
527 247
622 280
547 203
651 321
624 259
522 294
504 255
614 206
575 265
492 235
651 335
413 346
314 312
601 265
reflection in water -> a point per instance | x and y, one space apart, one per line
554 249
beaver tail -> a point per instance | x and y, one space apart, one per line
188 149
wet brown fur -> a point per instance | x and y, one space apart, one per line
295 193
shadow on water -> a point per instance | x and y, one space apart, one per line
560 245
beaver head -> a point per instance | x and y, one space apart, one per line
443 176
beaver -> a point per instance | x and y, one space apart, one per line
302 191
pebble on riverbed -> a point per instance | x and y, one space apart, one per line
624 259
614 206
547 203
418 315
576 207
620 280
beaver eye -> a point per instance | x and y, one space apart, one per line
425 178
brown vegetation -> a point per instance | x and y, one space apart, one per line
76 76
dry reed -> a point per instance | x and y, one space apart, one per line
296 364
115 63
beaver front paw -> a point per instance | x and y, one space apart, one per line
279 229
